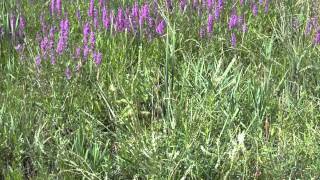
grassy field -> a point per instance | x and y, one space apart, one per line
183 91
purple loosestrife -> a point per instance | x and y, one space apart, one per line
241 2
101 3
44 46
95 18
161 27
254 9
244 27
91 8
51 38
38 61
67 72
120 20
52 59
59 7
86 32
144 14
233 40
52 7
266 7
78 15
210 24
209 4
233 21
317 37
261 2
63 36
86 51
105 19
220 4
183 4
217 12
77 53
135 10
97 58
92 40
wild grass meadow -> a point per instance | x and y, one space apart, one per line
159 89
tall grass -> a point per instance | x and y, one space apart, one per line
176 107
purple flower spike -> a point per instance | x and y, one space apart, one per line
68 73
183 4
92 40
209 4
38 60
210 24
317 38
233 40
105 19
254 9
233 21
52 59
86 32
59 7
161 27
52 7
97 57
91 8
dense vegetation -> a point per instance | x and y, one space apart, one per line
159 89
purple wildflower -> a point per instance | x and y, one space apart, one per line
68 73
92 39
105 19
101 3
78 53
52 7
91 8
244 27
135 10
44 46
86 51
183 4
210 24
317 37
254 9
63 36
209 4
233 21
120 20
86 32
95 19
97 57
161 27
144 14
58 6
52 59
38 60
217 13
233 40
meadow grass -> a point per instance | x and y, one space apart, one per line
176 107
